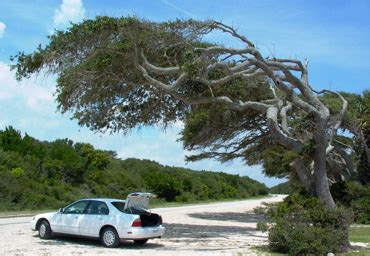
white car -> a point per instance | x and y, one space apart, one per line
110 220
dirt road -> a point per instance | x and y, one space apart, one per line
205 229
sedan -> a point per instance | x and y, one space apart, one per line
110 220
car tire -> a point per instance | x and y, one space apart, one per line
109 237
44 230
141 241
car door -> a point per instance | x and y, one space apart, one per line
68 221
96 216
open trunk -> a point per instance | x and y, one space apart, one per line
151 220
138 200
138 203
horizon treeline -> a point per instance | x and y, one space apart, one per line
43 175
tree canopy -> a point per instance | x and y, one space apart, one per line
119 73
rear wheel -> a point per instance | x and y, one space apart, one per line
141 241
109 237
44 230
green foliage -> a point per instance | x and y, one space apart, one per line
282 188
17 172
302 225
354 196
101 53
360 234
40 175
225 134
277 160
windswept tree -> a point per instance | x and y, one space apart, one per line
119 73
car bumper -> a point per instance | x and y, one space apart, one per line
142 233
33 224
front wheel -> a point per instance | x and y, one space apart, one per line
141 241
109 237
44 230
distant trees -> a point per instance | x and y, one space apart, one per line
66 171
282 188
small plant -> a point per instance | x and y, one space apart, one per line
301 225
17 172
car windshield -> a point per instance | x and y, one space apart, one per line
119 205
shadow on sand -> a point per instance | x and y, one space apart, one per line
206 231
244 217
69 240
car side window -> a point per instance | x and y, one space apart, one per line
97 207
76 208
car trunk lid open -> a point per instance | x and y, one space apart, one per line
138 203
138 200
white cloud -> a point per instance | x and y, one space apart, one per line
2 29
69 11
36 96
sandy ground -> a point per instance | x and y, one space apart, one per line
205 229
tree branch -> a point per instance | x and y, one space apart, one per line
284 118
159 70
278 134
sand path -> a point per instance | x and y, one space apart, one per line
205 229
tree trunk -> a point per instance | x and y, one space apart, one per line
321 182
320 174
304 175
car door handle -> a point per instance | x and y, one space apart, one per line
76 217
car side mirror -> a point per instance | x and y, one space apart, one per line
61 210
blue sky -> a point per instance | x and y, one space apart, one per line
333 35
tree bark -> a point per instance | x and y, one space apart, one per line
320 173
304 175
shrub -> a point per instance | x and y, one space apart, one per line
354 196
184 197
17 172
301 225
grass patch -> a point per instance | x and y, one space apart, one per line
360 234
260 250
365 252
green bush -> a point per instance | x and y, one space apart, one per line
184 197
301 225
354 196
17 172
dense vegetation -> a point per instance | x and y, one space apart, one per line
352 195
35 174
282 188
302 225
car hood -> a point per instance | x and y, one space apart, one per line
46 215
138 200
